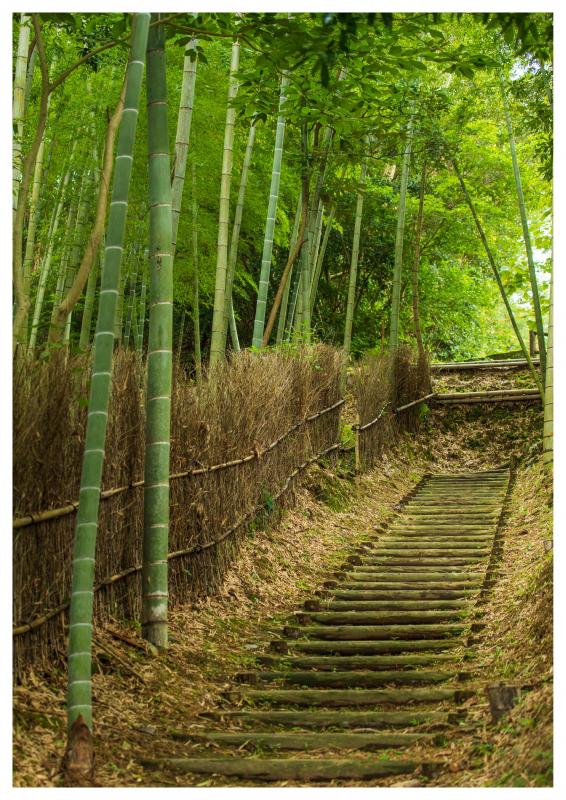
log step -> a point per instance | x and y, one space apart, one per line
307 741
374 632
415 561
384 605
357 617
342 680
383 576
366 647
354 662
401 595
337 698
443 551
349 720
290 769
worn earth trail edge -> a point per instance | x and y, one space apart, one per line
370 664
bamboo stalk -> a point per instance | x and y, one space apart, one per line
79 709
37 623
526 232
229 319
354 263
155 592
216 352
497 276
263 286
397 270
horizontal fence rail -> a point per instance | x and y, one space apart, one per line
54 513
197 548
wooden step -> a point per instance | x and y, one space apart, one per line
401 595
349 720
457 606
443 552
374 632
357 617
382 575
400 662
365 647
300 740
290 769
343 680
338 698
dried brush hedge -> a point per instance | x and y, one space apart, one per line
380 384
242 407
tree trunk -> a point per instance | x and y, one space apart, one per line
354 263
263 287
159 354
397 270
216 352
416 260
497 276
79 759
526 233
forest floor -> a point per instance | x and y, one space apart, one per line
139 699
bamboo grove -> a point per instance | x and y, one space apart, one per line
367 181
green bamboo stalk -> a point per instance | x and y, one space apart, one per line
548 432
79 694
416 263
141 316
497 276
525 226
120 300
34 208
398 267
354 262
180 340
229 319
79 239
132 300
18 106
216 351
285 298
321 254
46 261
196 303
263 286
160 350
183 134
86 321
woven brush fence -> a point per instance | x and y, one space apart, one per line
238 443
387 389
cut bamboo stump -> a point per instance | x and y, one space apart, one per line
372 661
